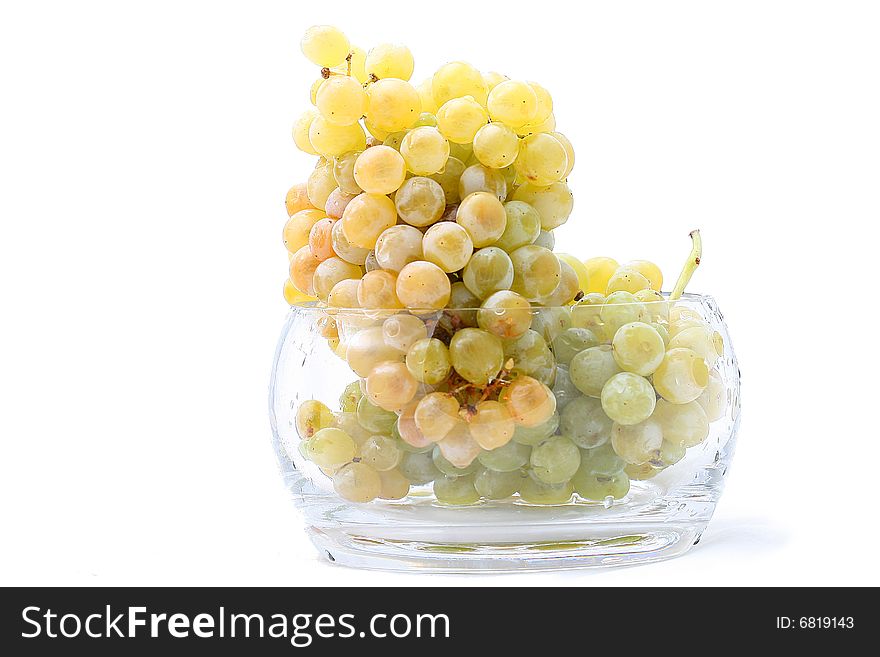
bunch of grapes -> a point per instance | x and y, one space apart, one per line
488 366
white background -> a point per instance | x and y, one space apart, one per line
144 157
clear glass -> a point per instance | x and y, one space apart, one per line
659 517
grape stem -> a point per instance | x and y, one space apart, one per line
690 266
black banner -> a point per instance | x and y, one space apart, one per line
404 621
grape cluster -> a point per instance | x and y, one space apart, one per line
488 365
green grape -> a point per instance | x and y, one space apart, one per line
656 305
683 424
494 485
586 313
426 119
602 460
641 472
357 482
461 304
590 369
348 422
532 356
456 490
394 140
571 342
533 491
523 226
489 270
628 398
545 238
550 322
330 448
428 361
343 172
682 376
420 201
373 418
555 460
463 152
496 145
714 398
447 468
311 417
637 443
419 467
598 487
448 178
620 308
584 421
638 348
380 453
700 339
394 485
536 272
350 397
478 178
476 355
671 453
563 389
663 331
507 458
505 314
532 436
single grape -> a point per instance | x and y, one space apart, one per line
423 285
620 308
293 296
542 159
341 100
512 102
536 271
493 78
350 397
425 150
374 418
366 216
298 227
482 215
436 415
333 140
489 270
461 306
458 446
367 348
297 199
491 425
496 145
325 45
336 204
331 447
529 401
563 389
571 342
300 130
591 369
533 491
402 331
553 203
637 443
329 272
714 398
391 386
426 95
377 290
459 119
428 361
599 272
626 280
508 457
649 270
530 355
532 436
546 239
601 460
311 417
655 303
344 294
671 453
458 79
550 322
683 424
420 201
478 178
444 466
569 150
389 60
411 438
392 105
638 348
320 184
495 485
505 314
418 468
394 485
448 246
398 246
302 270
628 398
702 340
381 453
566 289
682 376
585 422
476 355
380 170
343 247
456 490
357 482
522 228
598 487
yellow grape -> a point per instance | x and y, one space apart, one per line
341 100
367 348
496 145
448 246
325 45
479 178
357 482
435 415
313 91
377 290
343 246
554 203
393 104
583 275
391 386
329 272
569 151
297 199
542 159
337 202
483 216
379 170
394 486
493 79
547 125
529 401
389 61
459 119
491 425
296 230
320 241
293 296
300 131
343 172
649 270
366 217
344 294
512 102
333 140
448 178
423 286
302 270
544 108
626 280
458 79
599 272
682 376
425 150
320 184
420 201
402 331
426 95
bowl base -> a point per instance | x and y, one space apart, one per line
621 546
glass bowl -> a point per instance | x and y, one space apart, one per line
652 504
